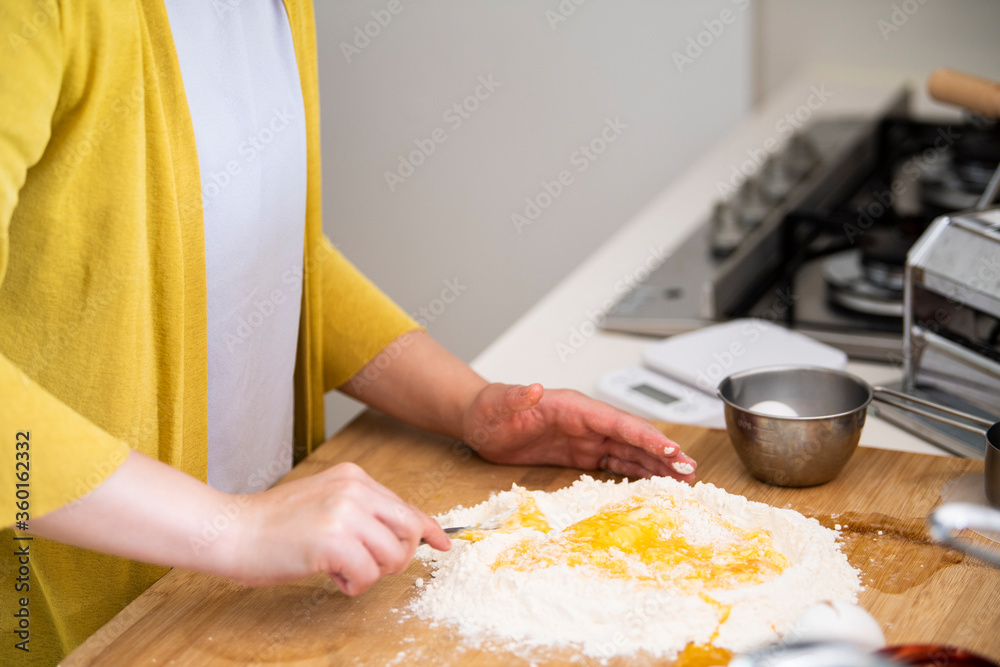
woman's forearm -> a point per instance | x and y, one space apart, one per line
420 382
150 512
339 521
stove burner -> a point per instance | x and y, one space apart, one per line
956 182
889 277
863 289
943 187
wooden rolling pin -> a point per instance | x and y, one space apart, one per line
965 90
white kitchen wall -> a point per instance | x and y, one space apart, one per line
906 37
551 76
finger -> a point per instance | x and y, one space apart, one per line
628 468
655 464
341 582
683 467
433 534
389 552
683 477
403 519
680 467
518 398
355 566
626 428
410 525
356 473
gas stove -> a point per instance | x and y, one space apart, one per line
816 238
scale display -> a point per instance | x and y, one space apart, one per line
655 394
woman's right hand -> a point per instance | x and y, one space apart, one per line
339 521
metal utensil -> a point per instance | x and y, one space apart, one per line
815 446
951 518
457 531
806 450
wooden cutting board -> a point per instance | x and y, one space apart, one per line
918 591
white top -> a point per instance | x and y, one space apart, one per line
242 83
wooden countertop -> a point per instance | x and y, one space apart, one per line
919 592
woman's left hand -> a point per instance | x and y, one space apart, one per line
528 425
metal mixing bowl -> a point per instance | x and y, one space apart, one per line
806 450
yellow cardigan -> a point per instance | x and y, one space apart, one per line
102 300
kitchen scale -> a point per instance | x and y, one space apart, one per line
679 376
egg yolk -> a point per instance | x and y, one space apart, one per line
527 515
707 655
642 539
703 655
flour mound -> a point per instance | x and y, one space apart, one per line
614 603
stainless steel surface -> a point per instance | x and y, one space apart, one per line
952 440
727 230
806 450
777 179
952 518
831 405
951 324
801 155
843 146
986 429
851 287
935 362
898 399
750 204
992 467
695 287
990 193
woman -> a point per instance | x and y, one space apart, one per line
170 315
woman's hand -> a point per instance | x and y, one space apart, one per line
339 521
530 426
420 382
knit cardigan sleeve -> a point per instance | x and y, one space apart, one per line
51 454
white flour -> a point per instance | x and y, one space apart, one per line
603 616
